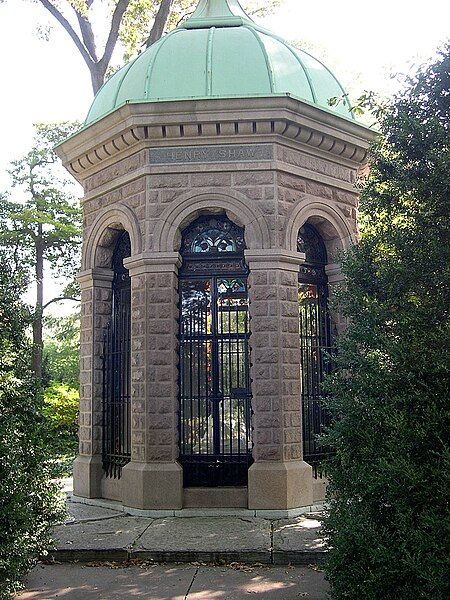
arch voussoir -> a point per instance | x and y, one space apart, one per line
191 205
310 208
113 217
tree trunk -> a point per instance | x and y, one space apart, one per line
37 320
160 22
97 76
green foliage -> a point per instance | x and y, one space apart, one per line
388 522
29 503
43 218
41 226
61 406
60 410
61 397
61 350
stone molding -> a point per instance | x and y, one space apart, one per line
192 204
96 277
311 206
153 262
276 258
136 126
116 214
276 166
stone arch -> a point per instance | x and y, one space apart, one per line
101 240
190 206
332 226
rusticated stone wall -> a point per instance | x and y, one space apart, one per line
95 314
271 199
275 356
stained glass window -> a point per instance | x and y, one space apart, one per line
212 235
213 240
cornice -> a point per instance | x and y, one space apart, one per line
136 126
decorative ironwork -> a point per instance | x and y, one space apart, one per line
215 394
315 342
310 243
116 447
212 235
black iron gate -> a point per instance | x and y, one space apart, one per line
116 447
315 343
215 396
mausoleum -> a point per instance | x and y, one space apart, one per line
219 189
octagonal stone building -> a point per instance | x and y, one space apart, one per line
218 193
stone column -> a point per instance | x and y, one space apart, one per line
279 479
153 479
96 297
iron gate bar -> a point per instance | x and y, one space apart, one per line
215 409
116 362
315 344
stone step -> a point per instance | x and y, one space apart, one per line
95 533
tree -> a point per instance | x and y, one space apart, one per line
135 23
29 503
62 349
43 225
388 521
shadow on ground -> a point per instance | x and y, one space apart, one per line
110 581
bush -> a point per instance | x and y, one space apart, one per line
60 410
29 503
388 521
61 406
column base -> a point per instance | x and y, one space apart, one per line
152 486
280 485
87 476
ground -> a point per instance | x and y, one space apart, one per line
109 581
101 552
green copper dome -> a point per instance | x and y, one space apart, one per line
219 52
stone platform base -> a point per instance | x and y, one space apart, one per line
199 512
94 532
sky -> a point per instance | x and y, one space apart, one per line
363 44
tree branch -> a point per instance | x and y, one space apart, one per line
116 20
69 29
160 22
261 9
59 300
86 32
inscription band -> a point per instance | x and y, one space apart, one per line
214 154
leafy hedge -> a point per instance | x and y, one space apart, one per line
388 523
29 503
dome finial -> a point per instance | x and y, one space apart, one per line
217 13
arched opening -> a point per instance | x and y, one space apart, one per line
315 340
215 394
116 440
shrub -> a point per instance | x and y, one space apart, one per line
61 406
29 503
388 521
60 409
